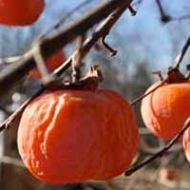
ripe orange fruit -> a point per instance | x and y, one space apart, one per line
20 12
53 62
68 136
165 110
186 144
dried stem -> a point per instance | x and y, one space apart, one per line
112 51
160 153
88 44
77 59
164 17
180 57
132 11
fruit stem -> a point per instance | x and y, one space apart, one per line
180 57
77 59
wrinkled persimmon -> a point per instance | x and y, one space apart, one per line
20 12
68 136
165 110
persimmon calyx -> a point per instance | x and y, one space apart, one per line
89 82
175 76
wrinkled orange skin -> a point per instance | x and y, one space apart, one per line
20 12
165 110
186 144
71 136
53 62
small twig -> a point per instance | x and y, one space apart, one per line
164 17
148 93
112 51
77 59
159 74
160 153
180 57
132 11
180 18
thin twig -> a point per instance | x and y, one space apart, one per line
160 153
88 44
180 57
77 59
148 93
164 17
112 51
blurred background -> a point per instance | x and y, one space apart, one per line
147 42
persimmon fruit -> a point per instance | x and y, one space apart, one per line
165 110
68 136
20 12
186 144
53 62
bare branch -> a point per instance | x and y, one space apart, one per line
180 57
148 93
163 16
160 153
13 73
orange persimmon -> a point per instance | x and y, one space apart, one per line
68 136
165 110
186 144
20 12
53 62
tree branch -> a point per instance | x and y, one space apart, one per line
14 119
160 153
180 57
